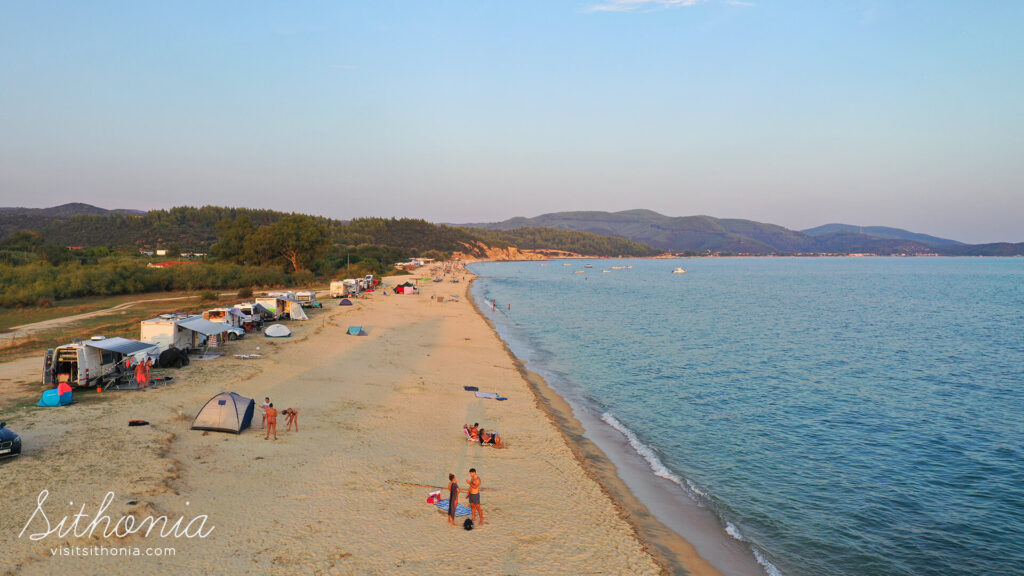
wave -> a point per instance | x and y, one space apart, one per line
662 471
647 453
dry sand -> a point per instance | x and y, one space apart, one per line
380 415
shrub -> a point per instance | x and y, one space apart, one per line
245 292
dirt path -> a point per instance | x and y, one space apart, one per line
18 332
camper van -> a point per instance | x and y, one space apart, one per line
255 315
96 362
338 289
307 298
165 331
286 294
275 306
366 283
233 317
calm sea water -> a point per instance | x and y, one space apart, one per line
841 416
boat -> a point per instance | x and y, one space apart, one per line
566 264
578 271
588 266
606 271
679 271
618 267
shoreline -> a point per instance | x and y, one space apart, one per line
381 419
674 547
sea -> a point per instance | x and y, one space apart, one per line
835 416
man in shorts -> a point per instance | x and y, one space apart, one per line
474 496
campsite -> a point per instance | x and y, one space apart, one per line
370 408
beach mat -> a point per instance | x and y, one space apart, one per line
470 388
491 395
460 510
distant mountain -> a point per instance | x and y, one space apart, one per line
66 211
702 234
881 232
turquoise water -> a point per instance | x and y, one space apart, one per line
842 416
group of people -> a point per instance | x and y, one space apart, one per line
474 483
143 371
478 434
291 417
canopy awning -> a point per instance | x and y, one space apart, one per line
120 345
204 326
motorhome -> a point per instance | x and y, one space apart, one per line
184 332
231 316
338 289
96 362
307 298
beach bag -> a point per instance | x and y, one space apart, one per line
468 524
434 497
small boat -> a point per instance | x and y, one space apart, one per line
588 266
578 271
566 264
606 271
679 271
629 267
617 267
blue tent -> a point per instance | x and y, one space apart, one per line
60 396
345 302
356 331
225 412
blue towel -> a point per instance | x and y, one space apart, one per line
460 510
470 388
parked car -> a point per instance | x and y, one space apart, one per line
10 443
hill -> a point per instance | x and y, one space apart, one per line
705 234
882 232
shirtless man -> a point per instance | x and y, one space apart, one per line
140 375
474 496
271 421
291 416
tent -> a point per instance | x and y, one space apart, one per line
345 302
225 412
356 331
277 331
295 311
59 396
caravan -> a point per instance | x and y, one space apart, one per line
96 362
233 317
186 332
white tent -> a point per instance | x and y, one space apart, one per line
225 412
295 311
277 331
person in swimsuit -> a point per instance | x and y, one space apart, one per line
474 495
149 370
473 431
271 421
263 407
486 438
453 498
291 416
140 375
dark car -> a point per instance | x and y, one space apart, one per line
10 443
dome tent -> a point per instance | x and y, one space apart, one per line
225 412
277 331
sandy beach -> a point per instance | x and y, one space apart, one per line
380 423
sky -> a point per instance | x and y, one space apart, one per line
798 113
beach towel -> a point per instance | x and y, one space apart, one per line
470 388
460 510
493 395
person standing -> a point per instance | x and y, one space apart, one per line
474 496
140 375
263 408
453 498
149 370
271 421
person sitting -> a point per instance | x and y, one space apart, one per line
472 431
486 438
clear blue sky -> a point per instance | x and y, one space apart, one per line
897 113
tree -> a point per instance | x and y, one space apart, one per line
298 239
